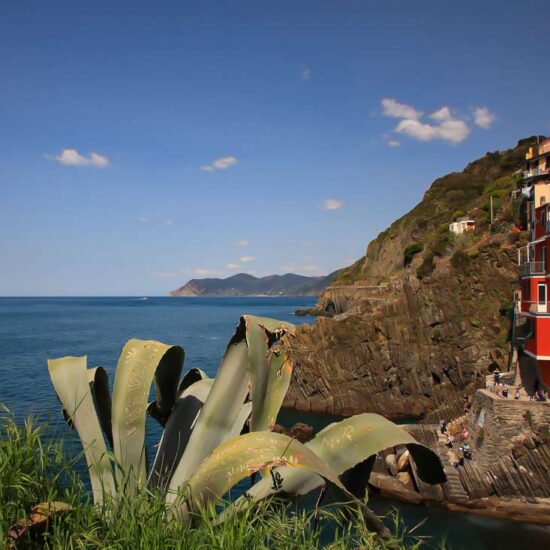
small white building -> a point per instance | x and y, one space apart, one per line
462 225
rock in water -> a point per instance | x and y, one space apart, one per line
391 464
404 461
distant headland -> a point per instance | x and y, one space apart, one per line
243 284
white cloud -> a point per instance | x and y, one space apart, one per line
168 221
442 114
220 164
306 73
232 266
71 157
446 126
395 109
142 219
483 117
246 259
332 204
98 160
243 244
452 130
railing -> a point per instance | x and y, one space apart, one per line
535 172
532 268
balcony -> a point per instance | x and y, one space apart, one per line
532 268
539 150
535 172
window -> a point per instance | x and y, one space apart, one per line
541 294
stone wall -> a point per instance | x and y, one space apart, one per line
495 423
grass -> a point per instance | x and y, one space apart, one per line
34 469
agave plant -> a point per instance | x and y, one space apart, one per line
218 431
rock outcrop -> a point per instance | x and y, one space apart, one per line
420 320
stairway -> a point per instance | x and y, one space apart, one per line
453 488
429 435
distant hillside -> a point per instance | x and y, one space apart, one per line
243 284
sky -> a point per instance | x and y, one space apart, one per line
145 143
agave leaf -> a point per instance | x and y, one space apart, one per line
343 445
139 362
241 456
99 386
269 372
277 381
192 376
240 422
220 411
177 431
244 369
70 380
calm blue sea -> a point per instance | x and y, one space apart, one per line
34 329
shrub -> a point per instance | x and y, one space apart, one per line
410 251
460 260
457 214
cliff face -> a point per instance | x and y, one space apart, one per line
417 323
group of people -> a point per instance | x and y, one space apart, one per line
465 451
503 391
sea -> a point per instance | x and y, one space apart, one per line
35 329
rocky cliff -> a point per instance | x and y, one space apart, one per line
418 322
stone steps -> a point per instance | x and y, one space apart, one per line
453 488
429 434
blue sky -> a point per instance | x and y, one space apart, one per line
145 143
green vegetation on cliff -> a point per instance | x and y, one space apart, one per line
423 233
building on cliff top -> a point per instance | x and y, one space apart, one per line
534 261
462 225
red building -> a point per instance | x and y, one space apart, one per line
534 261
